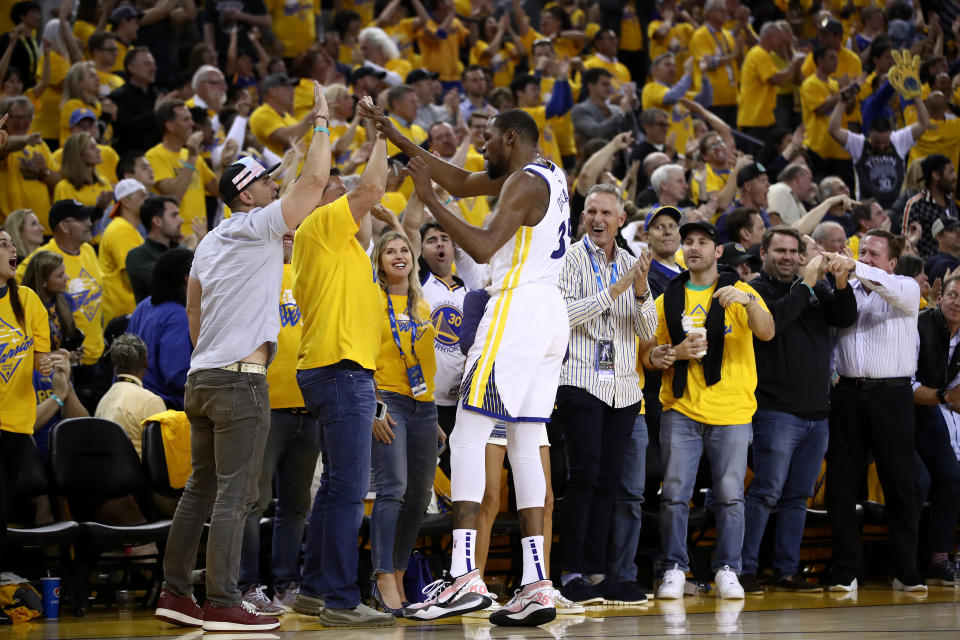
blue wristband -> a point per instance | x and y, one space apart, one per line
57 400
323 129
187 165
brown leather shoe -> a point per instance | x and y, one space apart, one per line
178 610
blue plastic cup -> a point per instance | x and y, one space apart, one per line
50 597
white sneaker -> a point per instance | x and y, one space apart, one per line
566 607
672 585
728 585
911 588
484 613
447 597
531 606
255 600
845 588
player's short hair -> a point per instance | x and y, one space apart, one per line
521 122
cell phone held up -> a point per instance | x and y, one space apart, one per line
74 341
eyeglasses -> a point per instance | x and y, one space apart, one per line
661 123
716 145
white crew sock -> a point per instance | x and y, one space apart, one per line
462 562
533 560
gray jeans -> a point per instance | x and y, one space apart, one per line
229 420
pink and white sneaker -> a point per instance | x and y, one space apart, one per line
531 606
448 597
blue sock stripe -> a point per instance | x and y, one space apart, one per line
468 550
536 559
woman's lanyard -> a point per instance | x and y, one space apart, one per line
396 335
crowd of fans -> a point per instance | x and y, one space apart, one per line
764 151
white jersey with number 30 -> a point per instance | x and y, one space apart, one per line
535 254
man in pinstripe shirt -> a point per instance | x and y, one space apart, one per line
599 395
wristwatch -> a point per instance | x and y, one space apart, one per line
642 298
942 395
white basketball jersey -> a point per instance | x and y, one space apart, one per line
446 314
535 254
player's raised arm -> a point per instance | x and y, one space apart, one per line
458 182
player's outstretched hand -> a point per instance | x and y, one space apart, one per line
374 114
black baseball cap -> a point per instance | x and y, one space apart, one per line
240 175
420 74
749 172
699 225
831 24
363 72
125 12
673 212
943 224
278 80
63 209
735 253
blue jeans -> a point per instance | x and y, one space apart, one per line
682 442
787 452
290 456
344 401
403 473
627 509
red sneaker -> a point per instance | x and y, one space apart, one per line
237 618
178 610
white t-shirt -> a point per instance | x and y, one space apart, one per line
240 268
901 139
446 314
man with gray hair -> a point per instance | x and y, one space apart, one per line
598 403
670 185
759 80
209 93
786 197
830 236
378 49
835 186
647 196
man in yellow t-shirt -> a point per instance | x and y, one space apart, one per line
606 44
403 105
711 320
71 239
663 93
294 24
943 137
120 236
27 170
819 93
335 286
179 170
715 47
759 79
440 39
273 122
671 34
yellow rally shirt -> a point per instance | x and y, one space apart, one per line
813 93
706 43
18 192
294 23
264 121
282 374
335 285
443 56
85 293
757 97
731 400
107 169
18 344
47 120
165 165
619 70
391 371
118 239
680 121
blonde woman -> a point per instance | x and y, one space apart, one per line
46 274
78 172
25 230
404 454
81 89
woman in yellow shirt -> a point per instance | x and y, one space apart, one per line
81 89
79 177
493 50
404 455
24 333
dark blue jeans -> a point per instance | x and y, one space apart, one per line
344 401
628 507
403 473
943 469
787 452
293 445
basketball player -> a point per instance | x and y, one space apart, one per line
513 367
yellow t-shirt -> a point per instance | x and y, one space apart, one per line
813 93
757 98
716 180
19 193
943 138
302 99
108 81
107 169
619 70
394 201
165 165
854 243
564 47
18 344
391 371
122 49
681 123
848 64
415 133
67 110
87 194
362 7
335 285
631 33
443 56
118 239
265 120
294 23
399 66
47 120
730 401
85 293
337 129
501 62
282 374
403 35
676 40
548 139
705 44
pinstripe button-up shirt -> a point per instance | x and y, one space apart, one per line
595 316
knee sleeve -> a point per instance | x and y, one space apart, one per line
467 455
523 447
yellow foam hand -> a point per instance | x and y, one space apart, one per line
904 75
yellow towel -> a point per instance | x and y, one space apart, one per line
175 429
